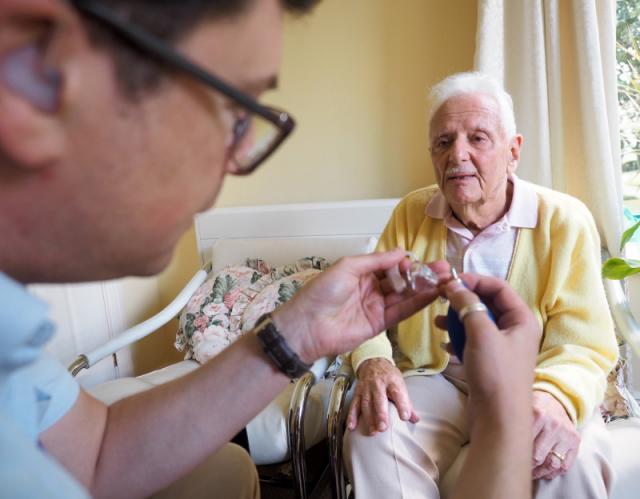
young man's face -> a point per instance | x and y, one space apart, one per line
155 163
107 184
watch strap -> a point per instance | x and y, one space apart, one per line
278 350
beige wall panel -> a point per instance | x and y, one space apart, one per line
355 76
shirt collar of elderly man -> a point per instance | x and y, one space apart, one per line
474 148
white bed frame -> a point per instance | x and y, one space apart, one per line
291 222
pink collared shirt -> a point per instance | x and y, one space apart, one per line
490 251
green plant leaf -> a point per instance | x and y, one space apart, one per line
619 268
628 234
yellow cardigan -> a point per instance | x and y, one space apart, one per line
555 269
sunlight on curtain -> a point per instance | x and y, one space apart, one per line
557 60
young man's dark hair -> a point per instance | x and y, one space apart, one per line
169 20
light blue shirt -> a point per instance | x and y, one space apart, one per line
35 392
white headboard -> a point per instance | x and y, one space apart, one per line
281 233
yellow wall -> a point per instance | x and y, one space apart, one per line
355 77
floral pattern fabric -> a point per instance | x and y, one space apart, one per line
229 303
618 402
274 294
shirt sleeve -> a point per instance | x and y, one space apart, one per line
26 471
56 390
378 346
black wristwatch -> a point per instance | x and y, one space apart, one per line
275 346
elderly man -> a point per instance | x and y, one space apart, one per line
483 219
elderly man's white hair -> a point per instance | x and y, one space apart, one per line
473 83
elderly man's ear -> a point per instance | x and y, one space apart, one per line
514 150
35 38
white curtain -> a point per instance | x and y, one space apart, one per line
557 60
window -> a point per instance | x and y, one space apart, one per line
628 66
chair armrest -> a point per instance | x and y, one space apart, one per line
295 422
335 427
141 330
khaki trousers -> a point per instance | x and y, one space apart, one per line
228 474
408 460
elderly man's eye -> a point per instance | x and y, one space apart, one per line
479 140
441 143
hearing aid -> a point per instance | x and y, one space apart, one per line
415 277
23 72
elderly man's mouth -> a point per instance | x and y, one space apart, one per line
461 178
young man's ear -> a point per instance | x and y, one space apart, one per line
31 80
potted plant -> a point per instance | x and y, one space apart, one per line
628 268
618 267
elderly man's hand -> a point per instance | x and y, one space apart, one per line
379 382
555 437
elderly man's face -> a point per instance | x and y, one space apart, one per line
471 153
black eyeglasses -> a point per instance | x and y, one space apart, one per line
256 134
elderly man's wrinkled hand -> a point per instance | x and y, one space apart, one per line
379 382
556 440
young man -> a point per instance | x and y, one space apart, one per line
114 131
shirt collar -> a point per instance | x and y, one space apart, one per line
523 212
24 326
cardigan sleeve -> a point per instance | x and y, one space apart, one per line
380 346
579 345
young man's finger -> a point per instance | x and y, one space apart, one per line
495 292
461 297
404 308
373 262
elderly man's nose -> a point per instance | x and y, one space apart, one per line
459 151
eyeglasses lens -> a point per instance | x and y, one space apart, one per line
254 137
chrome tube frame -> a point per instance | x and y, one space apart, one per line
625 322
295 423
78 365
139 331
335 433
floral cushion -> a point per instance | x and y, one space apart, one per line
618 402
229 303
274 294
